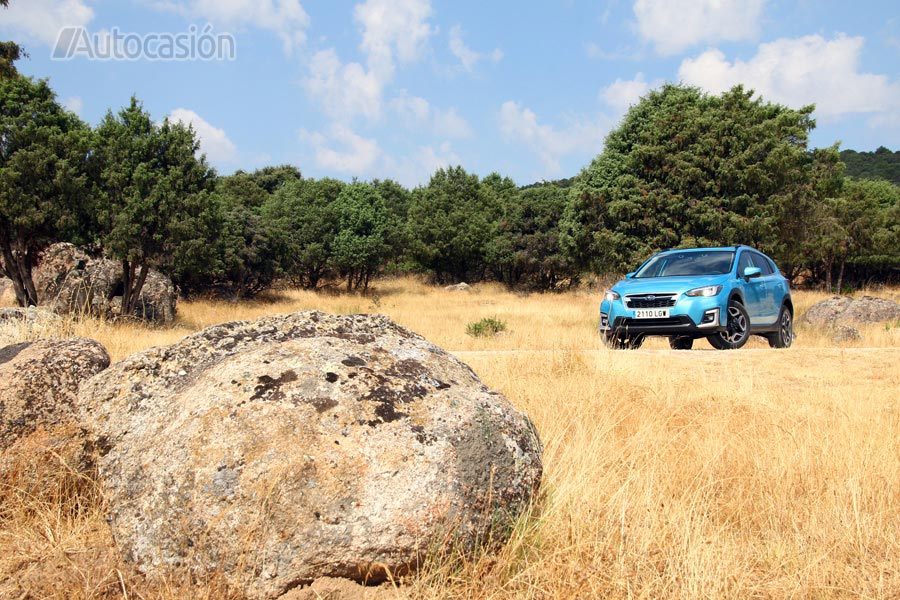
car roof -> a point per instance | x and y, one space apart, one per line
706 249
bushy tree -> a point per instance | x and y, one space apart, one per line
301 214
360 247
450 223
687 168
154 193
528 239
44 153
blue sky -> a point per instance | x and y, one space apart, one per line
398 88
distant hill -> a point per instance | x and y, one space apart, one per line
881 164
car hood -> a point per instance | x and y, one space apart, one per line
671 285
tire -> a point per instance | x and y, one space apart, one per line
616 342
784 337
738 331
681 342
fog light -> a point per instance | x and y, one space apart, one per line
710 317
604 321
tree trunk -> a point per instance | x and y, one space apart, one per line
132 282
828 265
17 266
840 281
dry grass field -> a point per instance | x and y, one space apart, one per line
756 473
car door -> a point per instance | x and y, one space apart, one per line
754 289
770 279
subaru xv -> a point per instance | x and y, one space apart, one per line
722 294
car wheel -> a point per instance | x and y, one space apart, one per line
681 342
738 330
617 342
784 337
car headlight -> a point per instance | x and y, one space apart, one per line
707 292
611 295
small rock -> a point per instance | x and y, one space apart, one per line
39 382
333 588
846 333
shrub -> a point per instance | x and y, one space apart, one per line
486 327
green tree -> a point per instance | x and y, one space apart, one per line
271 179
360 247
880 164
529 233
44 152
858 231
304 225
450 223
246 246
10 52
154 193
684 169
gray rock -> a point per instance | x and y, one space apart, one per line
842 309
845 333
71 282
304 446
459 287
39 382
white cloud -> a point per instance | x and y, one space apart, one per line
468 57
355 155
393 30
430 160
43 20
800 71
418 113
411 109
676 25
621 94
580 135
286 18
74 104
448 123
213 141
418 167
343 90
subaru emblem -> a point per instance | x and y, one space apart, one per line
651 297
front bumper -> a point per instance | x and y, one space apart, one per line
696 317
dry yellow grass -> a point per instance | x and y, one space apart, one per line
704 474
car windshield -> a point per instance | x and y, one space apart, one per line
675 264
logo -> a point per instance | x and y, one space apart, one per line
193 44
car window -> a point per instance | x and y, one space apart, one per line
690 263
744 261
765 266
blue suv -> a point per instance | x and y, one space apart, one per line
722 294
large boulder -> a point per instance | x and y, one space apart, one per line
841 310
69 281
39 383
304 446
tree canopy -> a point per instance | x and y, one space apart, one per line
154 191
44 151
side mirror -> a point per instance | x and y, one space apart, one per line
751 272
629 275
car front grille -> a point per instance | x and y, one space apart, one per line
650 301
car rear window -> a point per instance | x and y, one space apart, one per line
686 264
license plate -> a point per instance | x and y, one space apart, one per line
651 313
